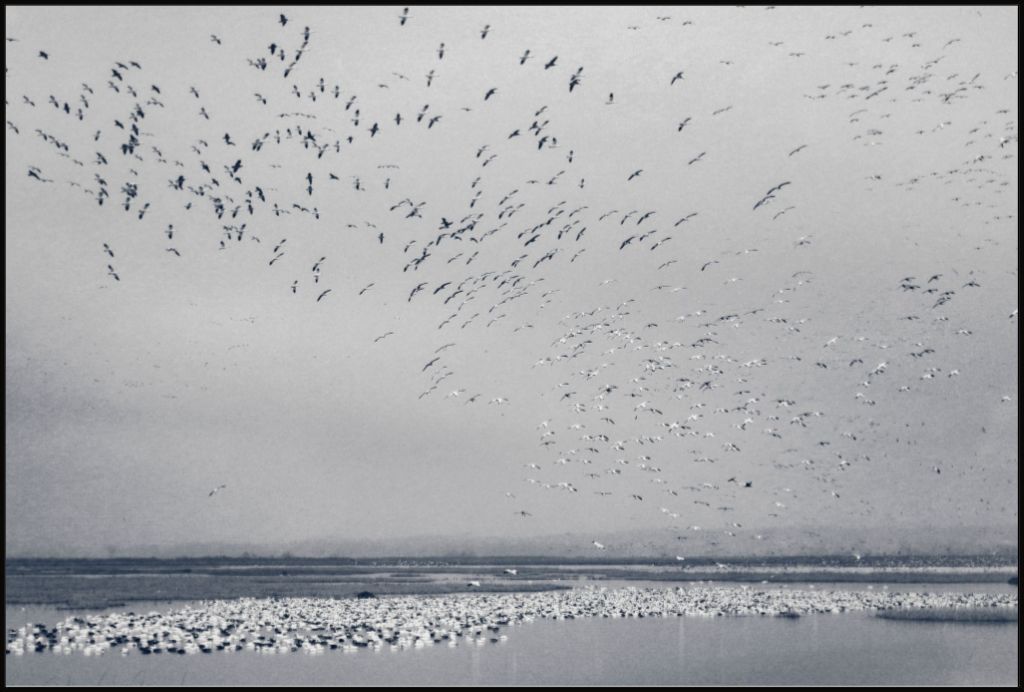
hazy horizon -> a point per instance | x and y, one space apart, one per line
799 541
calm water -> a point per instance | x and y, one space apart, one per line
851 648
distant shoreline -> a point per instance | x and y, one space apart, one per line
106 583
845 559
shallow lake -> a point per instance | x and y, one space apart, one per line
848 648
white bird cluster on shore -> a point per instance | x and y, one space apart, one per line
316 625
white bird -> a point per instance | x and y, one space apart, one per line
599 546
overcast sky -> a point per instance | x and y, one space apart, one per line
129 400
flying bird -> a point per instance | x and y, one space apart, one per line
416 290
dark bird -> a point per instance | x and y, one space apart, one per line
34 172
416 290
634 174
551 63
770 194
678 75
320 297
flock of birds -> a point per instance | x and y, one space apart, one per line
316 625
653 393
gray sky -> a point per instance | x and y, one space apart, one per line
129 400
